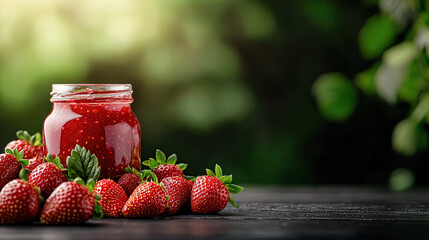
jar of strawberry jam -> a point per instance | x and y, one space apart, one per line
97 117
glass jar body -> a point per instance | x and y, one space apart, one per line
106 126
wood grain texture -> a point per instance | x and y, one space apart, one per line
268 213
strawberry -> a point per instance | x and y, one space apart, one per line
179 191
19 202
130 180
70 203
74 202
211 193
113 197
33 163
163 167
147 201
32 145
10 164
47 176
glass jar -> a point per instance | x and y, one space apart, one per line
97 117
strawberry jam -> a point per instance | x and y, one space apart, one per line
97 117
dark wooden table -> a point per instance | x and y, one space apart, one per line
269 213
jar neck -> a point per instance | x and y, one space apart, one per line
91 93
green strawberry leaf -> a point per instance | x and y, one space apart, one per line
160 156
24 162
133 170
91 184
182 166
160 159
234 189
97 197
98 210
82 164
226 179
166 198
153 177
231 200
42 200
218 171
23 174
27 136
35 140
146 162
20 135
172 159
190 178
56 161
80 181
8 151
15 153
210 172
149 175
153 163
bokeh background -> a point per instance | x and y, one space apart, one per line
275 91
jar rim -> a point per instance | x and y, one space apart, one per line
56 88
83 91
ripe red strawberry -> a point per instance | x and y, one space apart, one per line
147 201
163 167
70 203
47 176
32 145
211 193
33 163
73 202
130 180
113 197
179 191
19 202
10 164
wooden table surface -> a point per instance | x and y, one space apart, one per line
268 213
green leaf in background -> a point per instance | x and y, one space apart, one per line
399 11
401 54
421 111
377 34
391 73
335 95
409 137
366 80
412 84
401 179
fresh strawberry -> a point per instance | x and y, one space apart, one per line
33 163
74 202
147 201
130 180
47 176
19 202
113 197
211 193
32 145
10 164
70 203
163 167
179 191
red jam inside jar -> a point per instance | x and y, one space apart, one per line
99 118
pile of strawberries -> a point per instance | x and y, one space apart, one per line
34 186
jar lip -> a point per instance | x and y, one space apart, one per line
91 92
81 87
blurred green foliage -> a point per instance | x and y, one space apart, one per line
398 39
221 81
